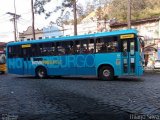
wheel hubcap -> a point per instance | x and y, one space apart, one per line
41 73
106 73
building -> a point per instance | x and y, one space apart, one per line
149 28
52 32
27 35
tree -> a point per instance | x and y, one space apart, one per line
118 9
39 6
33 30
77 9
140 9
101 15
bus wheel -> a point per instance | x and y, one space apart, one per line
106 73
115 77
41 72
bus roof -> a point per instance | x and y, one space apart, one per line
67 38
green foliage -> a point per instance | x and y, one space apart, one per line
39 6
139 9
117 9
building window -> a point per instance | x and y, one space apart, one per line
40 37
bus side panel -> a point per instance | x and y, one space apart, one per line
113 59
29 67
57 65
85 64
70 65
15 66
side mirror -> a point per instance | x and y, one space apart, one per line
142 43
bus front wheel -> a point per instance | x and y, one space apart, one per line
106 73
41 72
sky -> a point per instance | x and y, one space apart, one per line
23 8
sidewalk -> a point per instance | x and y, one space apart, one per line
150 69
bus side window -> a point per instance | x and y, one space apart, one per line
77 47
84 47
15 51
91 46
99 43
71 47
53 49
67 46
103 48
10 52
60 48
35 50
112 44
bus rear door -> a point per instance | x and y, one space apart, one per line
128 56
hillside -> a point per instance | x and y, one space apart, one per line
139 9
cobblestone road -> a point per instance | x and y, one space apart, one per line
27 98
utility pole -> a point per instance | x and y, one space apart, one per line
14 19
33 29
129 14
75 17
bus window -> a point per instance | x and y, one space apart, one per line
100 46
77 47
14 51
107 44
81 47
84 47
35 50
111 44
68 46
91 46
132 46
60 48
124 48
46 49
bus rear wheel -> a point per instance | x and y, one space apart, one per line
106 73
41 72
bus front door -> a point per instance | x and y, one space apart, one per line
128 56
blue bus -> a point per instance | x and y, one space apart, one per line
105 55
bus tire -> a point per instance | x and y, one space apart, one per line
115 77
41 72
106 73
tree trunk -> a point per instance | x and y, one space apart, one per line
75 17
33 30
129 14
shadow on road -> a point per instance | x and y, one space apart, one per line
86 78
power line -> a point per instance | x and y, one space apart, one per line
27 21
